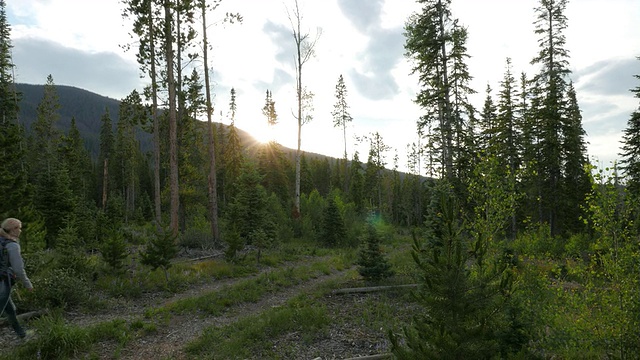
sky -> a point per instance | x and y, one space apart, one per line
82 43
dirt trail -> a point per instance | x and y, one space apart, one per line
170 340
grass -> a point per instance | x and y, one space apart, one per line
251 290
253 336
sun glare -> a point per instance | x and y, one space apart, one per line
263 134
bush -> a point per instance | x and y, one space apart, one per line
195 238
61 288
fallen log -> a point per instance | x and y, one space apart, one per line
360 290
24 317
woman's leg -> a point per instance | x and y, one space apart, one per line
9 309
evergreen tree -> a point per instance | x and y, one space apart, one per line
462 295
436 44
76 157
341 118
320 176
53 196
46 135
233 155
306 182
631 148
333 232
340 113
269 110
372 265
124 167
159 252
488 123
273 166
192 154
114 250
550 106
575 182
248 211
356 185
13 175
272 163
106 148
8 95
375 169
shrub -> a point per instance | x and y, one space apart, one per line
194 238
61 288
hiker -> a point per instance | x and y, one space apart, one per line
11 268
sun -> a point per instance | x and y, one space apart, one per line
263 134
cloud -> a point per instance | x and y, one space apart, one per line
373 78
105 73
611 76
383 52
282 37
363 17
280 79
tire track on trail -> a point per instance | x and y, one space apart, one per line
169 341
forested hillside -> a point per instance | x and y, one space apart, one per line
510 243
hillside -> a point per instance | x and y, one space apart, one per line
88 108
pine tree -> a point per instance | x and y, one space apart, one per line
232 157
126 158
462 295
631 148
106 149
46 135
248 211
575 182
550 106
374 170
372 265
436 44
114 250
192 154
13 175
147 23
356 185
340 113
488 123
76 157
159 252
333 232
269 110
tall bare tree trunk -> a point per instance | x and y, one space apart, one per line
304 51
173 148
154 116
213 194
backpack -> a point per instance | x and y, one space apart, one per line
5 265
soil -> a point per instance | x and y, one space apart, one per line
346 339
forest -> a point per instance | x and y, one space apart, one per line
502 241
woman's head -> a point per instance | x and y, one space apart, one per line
11 228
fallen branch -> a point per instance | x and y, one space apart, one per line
371 289
372 357
206 257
